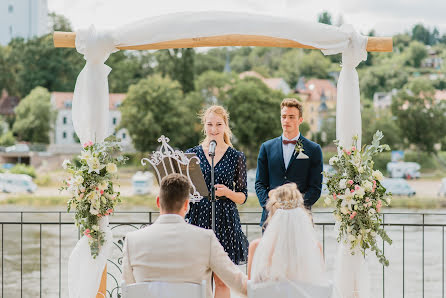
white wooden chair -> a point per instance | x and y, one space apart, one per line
287 289
162 289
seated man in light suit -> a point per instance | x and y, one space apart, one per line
175 251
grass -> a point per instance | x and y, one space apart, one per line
149 202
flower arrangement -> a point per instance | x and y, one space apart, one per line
299 147
358 195
90 183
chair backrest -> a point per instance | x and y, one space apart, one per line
288 289
162 289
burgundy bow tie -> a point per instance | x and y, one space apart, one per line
286 142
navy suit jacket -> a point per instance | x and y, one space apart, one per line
271 171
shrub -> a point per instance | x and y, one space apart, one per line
23 169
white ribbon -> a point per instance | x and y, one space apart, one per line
91 99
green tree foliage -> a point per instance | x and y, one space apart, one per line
297 62
59 22
154 107
420 118
416 53
383 120
34 117
178 64
325 18
128 67
214 59
421 33
304 128
255 115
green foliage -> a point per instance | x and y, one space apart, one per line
421 120
154 107
59 22
250 127
43 180
416 53
178 64
304 128
7 139
23 169
35 116
128 68
373 120
325 18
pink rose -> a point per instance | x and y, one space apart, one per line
353 148
350 182
353 215
87 144
352 190
367 199
378 209
102 192
109 211
87 232
348 153
334 196
357 187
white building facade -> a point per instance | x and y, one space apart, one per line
63 134
22 18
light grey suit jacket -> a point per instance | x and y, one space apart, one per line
173 250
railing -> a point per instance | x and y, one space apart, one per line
35 247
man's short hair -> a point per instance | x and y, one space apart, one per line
293 103
174 191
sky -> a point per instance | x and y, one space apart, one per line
386 17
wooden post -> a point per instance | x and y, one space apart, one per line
102 292
374 44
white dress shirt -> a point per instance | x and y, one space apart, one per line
288 149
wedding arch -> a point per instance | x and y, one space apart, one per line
208 29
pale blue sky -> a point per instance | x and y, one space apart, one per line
387 17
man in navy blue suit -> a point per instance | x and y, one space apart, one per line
289 158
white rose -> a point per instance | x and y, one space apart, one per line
388 200
368 186
343 183
86 155
377 175
112 168
372 211
65 164
344 210
327 201
360 192
94 165
78 180
351 238
361 170
333 160
95 227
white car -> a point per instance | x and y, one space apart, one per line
398 186
13 183
401 169
142 183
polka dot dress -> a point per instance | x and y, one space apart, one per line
230 171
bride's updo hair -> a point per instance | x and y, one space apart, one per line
286 196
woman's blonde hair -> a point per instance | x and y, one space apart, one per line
286 196
220 111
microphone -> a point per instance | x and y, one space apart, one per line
212 145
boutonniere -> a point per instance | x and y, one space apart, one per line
299 147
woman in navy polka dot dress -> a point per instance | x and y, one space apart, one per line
231 189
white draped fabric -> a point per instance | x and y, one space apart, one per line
90 102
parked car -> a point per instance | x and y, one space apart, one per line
398 186
13 183
401 169
142 183
328 169
442 190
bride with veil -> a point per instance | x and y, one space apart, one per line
289 249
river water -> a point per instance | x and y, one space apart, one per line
35 265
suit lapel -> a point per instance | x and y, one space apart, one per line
280 150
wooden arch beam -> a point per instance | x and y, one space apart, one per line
374 44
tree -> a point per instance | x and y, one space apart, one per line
154 107
38 63
214 59
383 120
416 53
128 68
178 64
255 115
59 22
421 34
304 128
420 119
34 117
213 85
325 18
